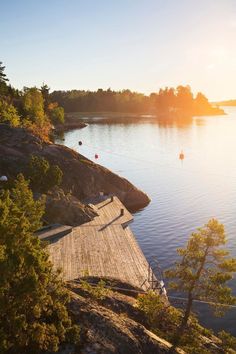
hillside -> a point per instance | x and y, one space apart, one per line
82 178
112 323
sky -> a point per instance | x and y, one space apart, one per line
142 45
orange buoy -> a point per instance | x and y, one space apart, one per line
181 155
96 156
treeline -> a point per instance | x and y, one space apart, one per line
168 101
31 108
227 103
39 110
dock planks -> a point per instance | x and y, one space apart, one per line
103 247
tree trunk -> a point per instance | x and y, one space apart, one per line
181 328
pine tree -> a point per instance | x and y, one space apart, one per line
3 77
3 80
33 316
203 272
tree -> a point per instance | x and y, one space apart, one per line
54 176
3 80
45 93
202 105
56 114
8 114
37 173
184 99
42 175
203 272
33 316
3 77
33 105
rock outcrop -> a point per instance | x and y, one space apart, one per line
112 325
66 209
82 178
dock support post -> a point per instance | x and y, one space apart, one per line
122 211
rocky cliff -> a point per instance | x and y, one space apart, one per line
82 178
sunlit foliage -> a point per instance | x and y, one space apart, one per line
168 101
33 316
8 114
203 271
33 105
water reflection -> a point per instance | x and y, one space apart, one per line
185 194
130 120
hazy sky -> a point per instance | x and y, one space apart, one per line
138 44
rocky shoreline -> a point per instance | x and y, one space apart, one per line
82 178
60 128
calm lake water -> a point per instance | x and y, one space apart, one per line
185 194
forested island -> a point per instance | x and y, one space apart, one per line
227 103
168 102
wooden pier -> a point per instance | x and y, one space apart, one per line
104 247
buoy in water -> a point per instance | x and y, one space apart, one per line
181 155
96 156
80 142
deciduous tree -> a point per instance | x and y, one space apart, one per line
8 114
33 105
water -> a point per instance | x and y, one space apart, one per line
185 194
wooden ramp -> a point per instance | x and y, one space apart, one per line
102 248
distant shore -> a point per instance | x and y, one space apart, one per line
78 120
69 126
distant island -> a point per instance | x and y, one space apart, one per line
167 103
227 103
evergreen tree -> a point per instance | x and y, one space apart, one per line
203 272
45 93
42 175
33 316
3 77
3 80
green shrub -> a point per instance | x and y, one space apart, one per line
57 115
98 292
42 175
8 114
164 319
54 176
160 315
228 342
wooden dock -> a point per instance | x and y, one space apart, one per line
48 233
104 247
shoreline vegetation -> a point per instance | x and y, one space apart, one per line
170 104
43 113
227 103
